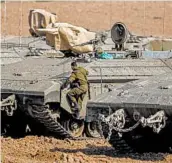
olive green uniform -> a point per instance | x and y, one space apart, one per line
76 95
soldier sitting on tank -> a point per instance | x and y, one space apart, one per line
79 87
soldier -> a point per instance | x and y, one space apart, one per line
79 87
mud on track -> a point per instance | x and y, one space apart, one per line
33 149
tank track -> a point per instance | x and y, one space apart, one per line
120 145
136 143
43 116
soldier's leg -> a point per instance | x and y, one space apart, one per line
80 100
72 94
71 97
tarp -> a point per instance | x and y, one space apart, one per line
64 36
40 19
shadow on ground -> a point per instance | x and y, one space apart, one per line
110 151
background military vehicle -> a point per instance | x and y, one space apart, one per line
30 87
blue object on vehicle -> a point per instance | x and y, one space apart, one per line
105 55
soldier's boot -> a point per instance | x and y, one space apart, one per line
76 111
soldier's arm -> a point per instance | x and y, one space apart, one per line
84 71
68 81
72 77
87 72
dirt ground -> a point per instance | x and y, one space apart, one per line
33 149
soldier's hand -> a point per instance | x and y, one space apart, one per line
62 86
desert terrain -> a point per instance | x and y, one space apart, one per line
34 149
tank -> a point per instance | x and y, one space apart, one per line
30 88
137 116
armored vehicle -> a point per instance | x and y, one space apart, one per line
137 116
31 98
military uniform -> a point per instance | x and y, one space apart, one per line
76 94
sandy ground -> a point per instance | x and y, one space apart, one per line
33 149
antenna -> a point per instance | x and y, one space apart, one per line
124 11
20 22
164 19
5 20
144 18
